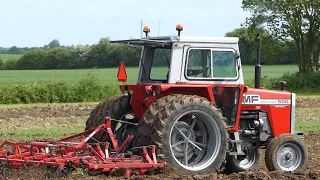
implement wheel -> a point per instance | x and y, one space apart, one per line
191 135
286 153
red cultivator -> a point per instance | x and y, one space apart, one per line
77 151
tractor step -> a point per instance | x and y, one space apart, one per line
236 154
78 151
236 142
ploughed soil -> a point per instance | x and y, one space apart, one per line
312 140
54 111
50 111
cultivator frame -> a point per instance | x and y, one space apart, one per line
77 151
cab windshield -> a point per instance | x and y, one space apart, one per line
160 64
156 57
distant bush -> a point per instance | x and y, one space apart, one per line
86 90
10 64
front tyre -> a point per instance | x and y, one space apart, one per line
191 135
286 153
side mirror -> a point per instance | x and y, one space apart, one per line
237 55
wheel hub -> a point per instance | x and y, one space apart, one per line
289 157
177 138
195 140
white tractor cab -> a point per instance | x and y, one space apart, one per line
184 59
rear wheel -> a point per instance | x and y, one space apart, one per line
146 121
286 153
190 134
116 108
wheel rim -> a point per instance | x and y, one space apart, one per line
248 161
195 140
289 157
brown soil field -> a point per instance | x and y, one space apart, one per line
312 140
85 109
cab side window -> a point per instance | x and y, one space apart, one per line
199 63
224 64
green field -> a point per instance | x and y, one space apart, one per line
5 57
109 74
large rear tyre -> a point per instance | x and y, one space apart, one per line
190 135
250 162
146 121
116 108
286 153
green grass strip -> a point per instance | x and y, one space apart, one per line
308 126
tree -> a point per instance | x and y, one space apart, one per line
298 20
78 56
54 43
3 51
272 49
131 55
57 58
246 44
98 55
10 64
34 59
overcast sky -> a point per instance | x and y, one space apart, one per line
37 22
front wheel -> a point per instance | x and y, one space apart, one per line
286 153
191 135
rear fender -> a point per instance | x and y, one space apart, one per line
203 91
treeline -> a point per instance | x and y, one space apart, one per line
102 54
106 54
16 50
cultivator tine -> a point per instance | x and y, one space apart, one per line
77 151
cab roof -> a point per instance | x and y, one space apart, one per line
171 39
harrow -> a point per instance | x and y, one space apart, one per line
83 151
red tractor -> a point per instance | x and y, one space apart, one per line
190 101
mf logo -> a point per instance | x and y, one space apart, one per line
250 99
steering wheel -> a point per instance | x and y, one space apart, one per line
204 68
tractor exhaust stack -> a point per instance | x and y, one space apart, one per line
257 68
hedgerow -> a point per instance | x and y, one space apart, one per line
93 89
86 90
295 82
